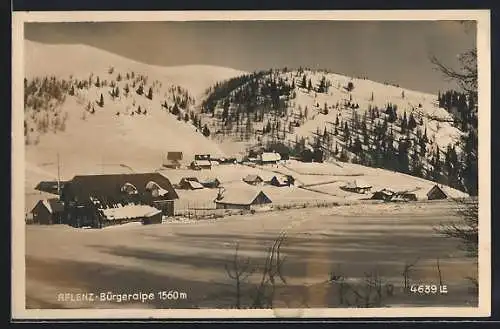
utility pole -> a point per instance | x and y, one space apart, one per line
58 177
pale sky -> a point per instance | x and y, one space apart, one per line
393 51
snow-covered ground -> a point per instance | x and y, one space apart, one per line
191 257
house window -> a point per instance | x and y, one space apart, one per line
155 189
129 189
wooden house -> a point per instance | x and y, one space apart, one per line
89 200
190 183
357 186
253 179
48 211
245 199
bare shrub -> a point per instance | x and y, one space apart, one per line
262 294
465 229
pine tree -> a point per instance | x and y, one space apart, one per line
140 90
186 117
416 164
150 93
412 123
101 101
404 123
304 82
309 85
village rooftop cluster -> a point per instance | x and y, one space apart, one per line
97 201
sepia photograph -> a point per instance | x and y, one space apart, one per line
210 164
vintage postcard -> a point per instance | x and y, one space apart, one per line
251 164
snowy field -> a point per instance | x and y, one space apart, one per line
191 257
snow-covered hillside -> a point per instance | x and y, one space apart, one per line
127 132
315 108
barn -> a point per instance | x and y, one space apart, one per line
89 199
242 199
190 183
357 186
48 211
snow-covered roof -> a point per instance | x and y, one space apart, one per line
129 212
202 163
194 185
150 186
269 156
241 196
357 183
280 179
385 191
207 180
252 178
448 191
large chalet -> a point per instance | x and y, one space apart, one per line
101 200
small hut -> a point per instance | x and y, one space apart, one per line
253 179
440 192
279 181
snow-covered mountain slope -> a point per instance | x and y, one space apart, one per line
352 119
129 132
365 94
80 61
